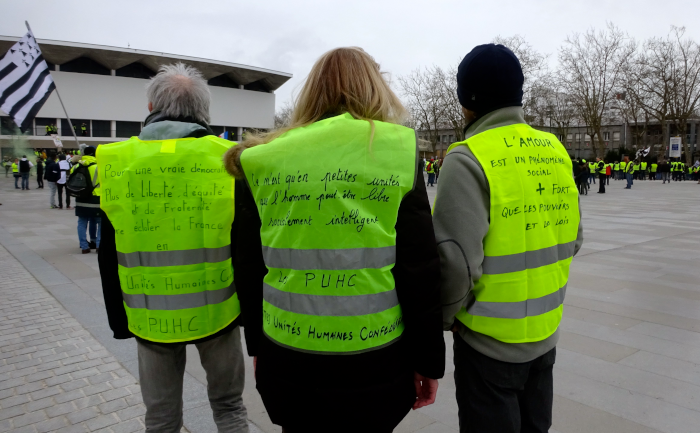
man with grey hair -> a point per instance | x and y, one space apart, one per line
166 256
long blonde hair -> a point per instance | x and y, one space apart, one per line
342 80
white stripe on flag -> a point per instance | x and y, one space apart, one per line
21 114
22 91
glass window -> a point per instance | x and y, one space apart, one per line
85 65
101 128
128 129
218 130
616 136
135 70
256 86
40 125
8 126
569 137
578 137
223 81
452 138
606 136
77 124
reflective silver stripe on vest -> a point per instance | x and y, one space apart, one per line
328 305
328 259
519 310
179 302
174 258
528 260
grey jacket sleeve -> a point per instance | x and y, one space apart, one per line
461 221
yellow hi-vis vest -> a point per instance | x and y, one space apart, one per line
534 221
654 166
171 204
623 165
328 232
644 166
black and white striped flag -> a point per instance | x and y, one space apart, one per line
25 81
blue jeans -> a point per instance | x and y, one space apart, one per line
431 179
95 230
25 180
629 180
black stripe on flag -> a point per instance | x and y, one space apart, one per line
32 92
12 88
27 122
7 69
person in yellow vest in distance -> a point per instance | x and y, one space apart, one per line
341 255
87 201
489 215
593 172
168 235
430 169
630 168
642 175
600 172
15 172
616 170
623 168
654 166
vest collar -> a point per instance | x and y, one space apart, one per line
495 119
158 126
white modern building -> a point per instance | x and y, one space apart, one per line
104 88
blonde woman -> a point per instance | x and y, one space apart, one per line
338 269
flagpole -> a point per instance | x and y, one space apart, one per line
70 124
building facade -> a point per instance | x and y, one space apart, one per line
103 88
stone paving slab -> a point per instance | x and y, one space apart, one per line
54 375
628 355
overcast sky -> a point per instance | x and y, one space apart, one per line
289 35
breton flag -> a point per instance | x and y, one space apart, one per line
25 81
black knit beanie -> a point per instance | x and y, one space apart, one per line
89 151
490 77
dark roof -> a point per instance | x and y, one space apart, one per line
60 52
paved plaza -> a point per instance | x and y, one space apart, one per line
628 360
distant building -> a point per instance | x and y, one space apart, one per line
104 87
578 142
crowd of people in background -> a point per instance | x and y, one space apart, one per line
54 167
585 172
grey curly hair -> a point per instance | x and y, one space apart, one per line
180 90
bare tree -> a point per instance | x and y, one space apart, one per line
424 97
284 115
561 108
686 84
631 99
650 81
535 70
592 67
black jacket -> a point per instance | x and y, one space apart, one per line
107 259
52 172
378 385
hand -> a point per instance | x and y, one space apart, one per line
455 327
255 367
426 389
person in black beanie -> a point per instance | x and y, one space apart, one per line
507 223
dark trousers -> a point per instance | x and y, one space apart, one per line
431 179
61 187
601 188
501 397
39 181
